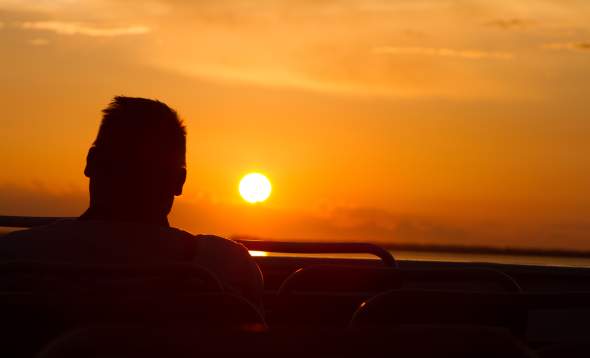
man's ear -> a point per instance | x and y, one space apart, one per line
90 162
181 178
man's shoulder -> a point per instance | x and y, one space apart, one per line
216 244
90 230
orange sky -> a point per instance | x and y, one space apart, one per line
383 120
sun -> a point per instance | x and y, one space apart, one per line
255 188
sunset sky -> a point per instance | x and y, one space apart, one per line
428 121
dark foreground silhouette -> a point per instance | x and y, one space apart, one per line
136 166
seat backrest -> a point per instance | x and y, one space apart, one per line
30 320
555 318
398 307
361 280
329 294
461 279
569 350
413 341
40 300
375 279
441 341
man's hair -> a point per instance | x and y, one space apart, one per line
144 131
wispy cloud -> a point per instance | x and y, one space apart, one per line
443 52
39 42
509 24
569 46
77 28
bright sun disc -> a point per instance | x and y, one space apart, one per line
255 188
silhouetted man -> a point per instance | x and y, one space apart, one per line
136 167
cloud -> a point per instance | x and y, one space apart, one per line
106 9
77 28
443 52
569 46
38 200
39 42
509 24
379 225
37 5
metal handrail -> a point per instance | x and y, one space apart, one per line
320 248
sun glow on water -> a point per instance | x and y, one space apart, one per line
258 253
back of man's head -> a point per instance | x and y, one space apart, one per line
137 163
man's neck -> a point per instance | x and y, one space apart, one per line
104 215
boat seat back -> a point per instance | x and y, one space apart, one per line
329 294
398 307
